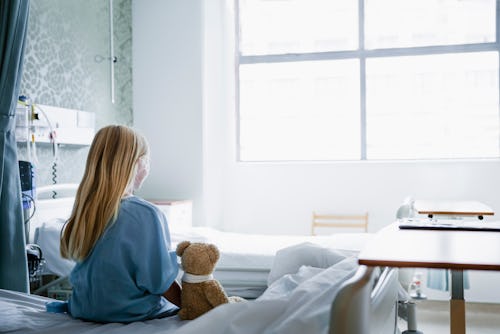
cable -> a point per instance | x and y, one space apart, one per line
55 151
28 123
54 177
34 207
52 134
44 114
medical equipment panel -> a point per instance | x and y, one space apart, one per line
51 124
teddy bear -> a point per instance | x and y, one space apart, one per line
200 291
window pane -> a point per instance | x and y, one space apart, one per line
434 106
396 23
294 26
300 111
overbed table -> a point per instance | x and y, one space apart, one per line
455 250
453 208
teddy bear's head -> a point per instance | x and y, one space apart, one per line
198 258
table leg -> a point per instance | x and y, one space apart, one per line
457 303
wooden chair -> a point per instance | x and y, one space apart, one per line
357 222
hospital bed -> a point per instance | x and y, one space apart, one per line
246 259
341 299
245 263
336 296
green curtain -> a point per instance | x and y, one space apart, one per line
13 264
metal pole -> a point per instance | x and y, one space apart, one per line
112 52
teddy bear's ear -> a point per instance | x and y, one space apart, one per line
213 253
181 247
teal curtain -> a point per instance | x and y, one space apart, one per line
13 263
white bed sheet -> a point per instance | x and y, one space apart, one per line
258 250
249 252
245 258
297 302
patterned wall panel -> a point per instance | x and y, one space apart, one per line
67 65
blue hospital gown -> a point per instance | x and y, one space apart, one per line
128 270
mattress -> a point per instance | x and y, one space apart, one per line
245 262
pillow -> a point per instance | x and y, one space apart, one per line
48 238
289 260
182 233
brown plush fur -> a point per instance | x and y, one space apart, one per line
199 298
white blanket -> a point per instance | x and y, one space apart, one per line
295 303
288 260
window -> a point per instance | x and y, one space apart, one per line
368 80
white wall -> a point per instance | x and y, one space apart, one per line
217 94
167 90
275 198
184 102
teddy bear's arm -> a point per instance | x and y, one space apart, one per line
215 294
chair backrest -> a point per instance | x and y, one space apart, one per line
355 222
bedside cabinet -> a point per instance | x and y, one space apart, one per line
178 212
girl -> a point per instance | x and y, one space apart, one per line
125 270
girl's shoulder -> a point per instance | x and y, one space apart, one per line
134 200
137 204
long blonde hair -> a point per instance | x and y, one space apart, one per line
109 171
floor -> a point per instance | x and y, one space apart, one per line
433 318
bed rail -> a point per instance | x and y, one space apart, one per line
52 201
366 303
71 187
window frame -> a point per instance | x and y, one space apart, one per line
362 54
